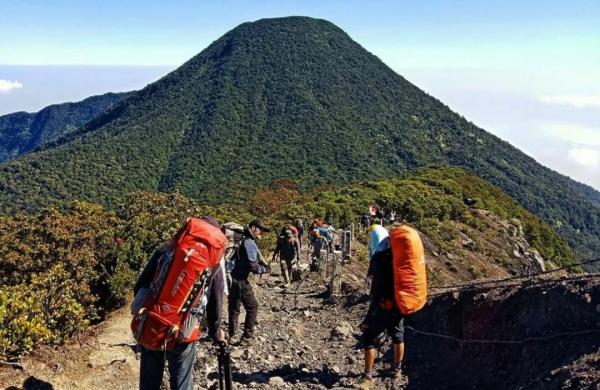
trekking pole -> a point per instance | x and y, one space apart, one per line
221 369
224 358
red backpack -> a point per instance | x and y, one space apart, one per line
165 313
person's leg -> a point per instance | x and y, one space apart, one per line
181 366
234 301
371 330
284 271
366 380
398 354
369 355
290 269
397 334
251 307
152 365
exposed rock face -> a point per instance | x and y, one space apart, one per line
539 309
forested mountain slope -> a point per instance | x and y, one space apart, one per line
22 132
284 98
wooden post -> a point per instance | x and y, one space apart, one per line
346 245
334 281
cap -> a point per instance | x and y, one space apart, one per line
259 224
210 219
288 233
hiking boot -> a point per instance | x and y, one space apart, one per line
364 383
246 341
398 377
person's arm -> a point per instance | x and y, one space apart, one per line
277 249
370 270
147 274
376 291
297 249
372 243
214 307
252 252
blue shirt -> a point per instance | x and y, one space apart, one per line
377 239
247 259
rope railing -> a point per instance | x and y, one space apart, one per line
498 341
500 281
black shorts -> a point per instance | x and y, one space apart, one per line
391 321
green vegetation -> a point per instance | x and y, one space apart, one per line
22 132
279 99
60 271
429 198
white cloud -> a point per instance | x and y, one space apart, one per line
585 156
579 101
7 85
575 134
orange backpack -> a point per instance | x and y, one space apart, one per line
410 279
165 313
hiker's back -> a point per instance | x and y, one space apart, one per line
164 311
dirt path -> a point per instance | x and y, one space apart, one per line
100 361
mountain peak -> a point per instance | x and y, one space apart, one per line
284 98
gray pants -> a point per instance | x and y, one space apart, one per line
181 362
286 269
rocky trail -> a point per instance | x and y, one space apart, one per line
538 333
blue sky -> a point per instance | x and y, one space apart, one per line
526 71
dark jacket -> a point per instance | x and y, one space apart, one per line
147 274
214 307
287 250
382 285
247 259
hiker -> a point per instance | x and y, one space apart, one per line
372 211
399 289
181 357
288 250
247 260
318 242
392 217
365 222
315 224
300 227
381 316
328 232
